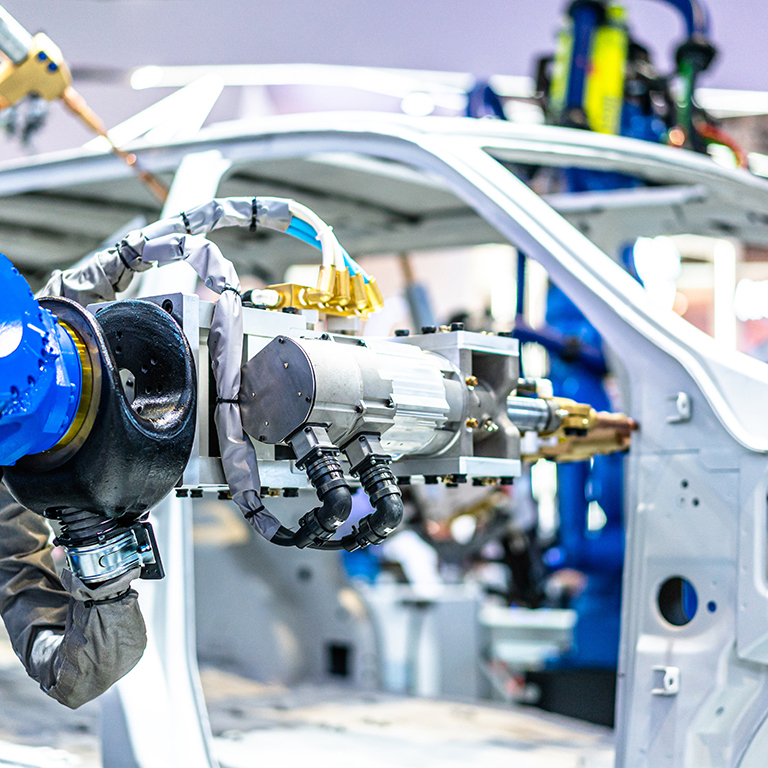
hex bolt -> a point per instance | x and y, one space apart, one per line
471 381
472 422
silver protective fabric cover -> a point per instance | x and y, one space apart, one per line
108 272
75 643
103 275
271 212
180 238
225 343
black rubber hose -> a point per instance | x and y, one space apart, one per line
388 514
322 522
373 528
337 504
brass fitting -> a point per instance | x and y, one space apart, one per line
583 433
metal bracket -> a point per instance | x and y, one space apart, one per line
151 565
670 681
683 408
308 439
361 447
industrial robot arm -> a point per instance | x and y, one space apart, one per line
318 409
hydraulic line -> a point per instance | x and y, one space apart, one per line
326 475
381 486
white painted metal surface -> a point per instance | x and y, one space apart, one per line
696 498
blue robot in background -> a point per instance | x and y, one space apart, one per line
603 81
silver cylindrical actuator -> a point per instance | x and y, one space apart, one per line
413 398
15 41
534 414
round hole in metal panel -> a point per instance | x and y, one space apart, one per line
677 601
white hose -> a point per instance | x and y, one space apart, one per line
332 253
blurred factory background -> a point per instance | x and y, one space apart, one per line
439 593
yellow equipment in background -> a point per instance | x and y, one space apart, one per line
36 67
604 74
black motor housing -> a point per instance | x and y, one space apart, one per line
133 450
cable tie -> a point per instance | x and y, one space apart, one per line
187 225
251 513
231 288
254 210
220 400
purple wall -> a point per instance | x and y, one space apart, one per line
480 36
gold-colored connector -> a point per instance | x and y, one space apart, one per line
337 293
326 282
583 433
291 295
341 290
358 293
375 299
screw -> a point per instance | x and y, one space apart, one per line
457 326
402 332
429 329
471 381
390 403
358 408
472 422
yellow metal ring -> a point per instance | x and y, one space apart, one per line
86 391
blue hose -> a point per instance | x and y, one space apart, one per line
305 232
